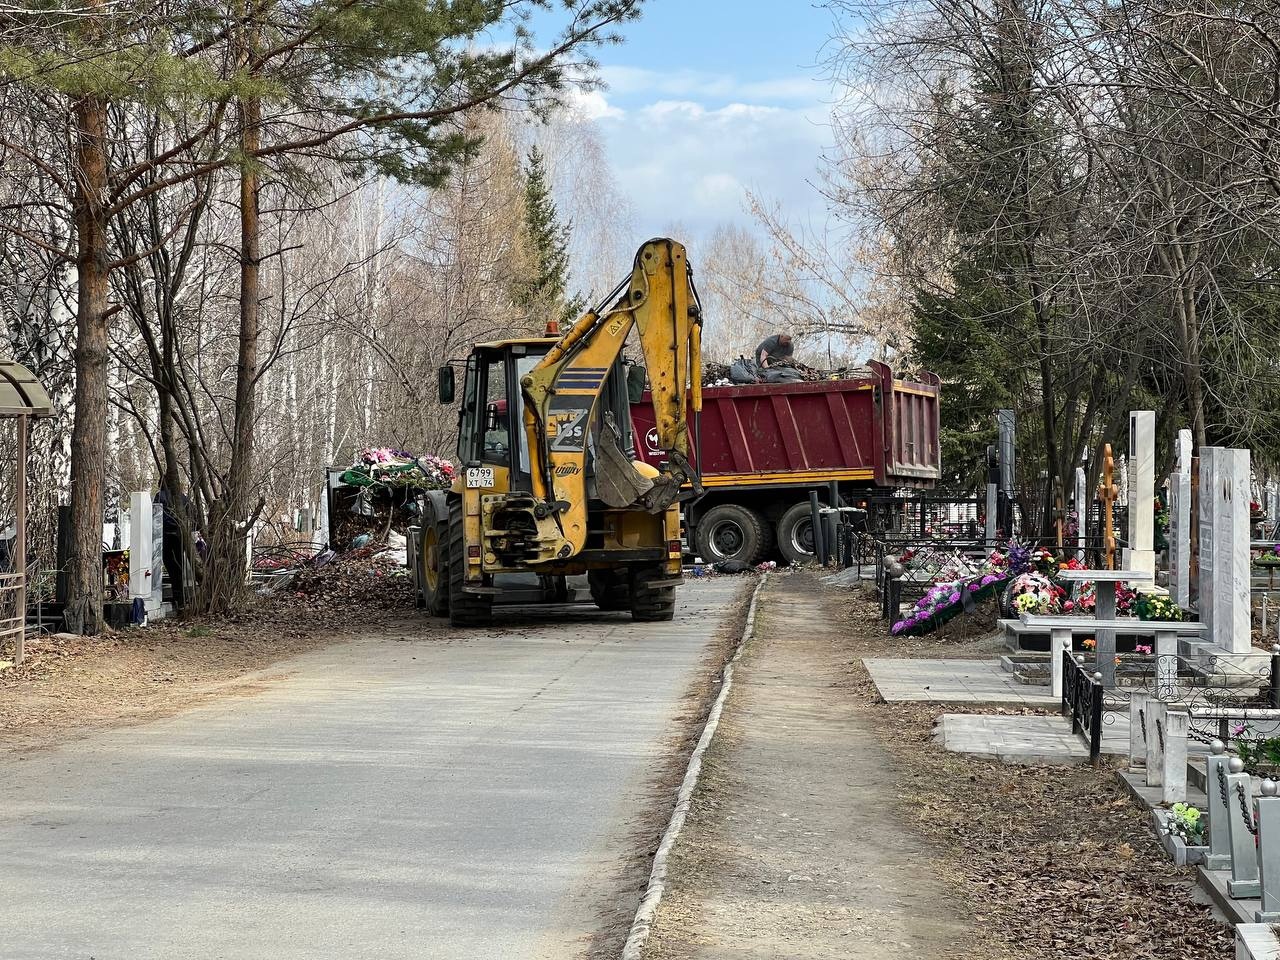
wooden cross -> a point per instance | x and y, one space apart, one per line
1108 493
1059 511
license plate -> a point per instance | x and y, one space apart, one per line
479 478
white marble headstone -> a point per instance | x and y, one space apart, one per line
1208 546
1224 547
1233 617
1141 480
1082 511
1180 523
140 544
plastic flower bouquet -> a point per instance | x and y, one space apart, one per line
1036 594
944 601
1087 601
1188 823
1151 606
1043 562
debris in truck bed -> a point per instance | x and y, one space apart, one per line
716 374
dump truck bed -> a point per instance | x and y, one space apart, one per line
875 430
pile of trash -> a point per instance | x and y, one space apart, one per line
745 371
371 577
378 496
399 470
731 568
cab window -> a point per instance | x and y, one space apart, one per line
496 414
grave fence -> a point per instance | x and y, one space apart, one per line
1082 700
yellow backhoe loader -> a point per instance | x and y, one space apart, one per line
549 483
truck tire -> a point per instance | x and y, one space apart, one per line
731 532
795 533
465 609
433 567
651 604
610 589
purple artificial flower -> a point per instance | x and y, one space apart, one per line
955 597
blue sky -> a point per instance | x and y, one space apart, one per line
708 98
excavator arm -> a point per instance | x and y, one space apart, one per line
562 396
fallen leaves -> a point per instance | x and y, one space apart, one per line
1056 861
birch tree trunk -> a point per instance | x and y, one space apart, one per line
230 521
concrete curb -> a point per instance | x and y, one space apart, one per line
640 927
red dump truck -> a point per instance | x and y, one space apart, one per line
762 448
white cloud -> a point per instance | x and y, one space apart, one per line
629 82
590 105
681 161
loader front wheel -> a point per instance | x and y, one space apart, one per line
650 604
434 567
610 589
465 609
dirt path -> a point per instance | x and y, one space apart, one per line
798 846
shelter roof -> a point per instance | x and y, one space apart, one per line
21 393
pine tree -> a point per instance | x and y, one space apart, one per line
543 295
376 85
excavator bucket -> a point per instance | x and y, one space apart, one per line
618 483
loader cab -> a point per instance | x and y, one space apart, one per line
491 419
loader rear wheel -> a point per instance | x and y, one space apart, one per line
433 567
465 609
651 604
610 589
731 532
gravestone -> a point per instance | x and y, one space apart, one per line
1180 523
322 540
1140 467
1224 548
140 545
155 602
1082 511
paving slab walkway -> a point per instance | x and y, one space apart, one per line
471 797
1026 739
953 681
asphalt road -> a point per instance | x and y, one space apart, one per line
462 798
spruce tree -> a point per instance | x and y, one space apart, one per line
543 295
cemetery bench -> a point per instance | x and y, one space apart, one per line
1062 630
1014 630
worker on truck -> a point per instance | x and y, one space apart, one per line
775 348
